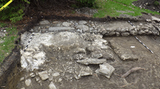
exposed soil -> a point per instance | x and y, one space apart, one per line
141 79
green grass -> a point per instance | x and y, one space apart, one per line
116 7
9 41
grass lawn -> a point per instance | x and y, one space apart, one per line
8 41
117 7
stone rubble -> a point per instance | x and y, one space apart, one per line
117 28
32 75
64 48
64 51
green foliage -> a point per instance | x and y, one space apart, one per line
13 12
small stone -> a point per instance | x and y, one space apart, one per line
141 32
133 32
31 30
43 75
60 79
150 32
55 74
32 75
154 8
83 27
22 88
55 22
148 20
43 30
85 71
157 27
155 32
88 61
47 27
112 33
82 22
28 82
4 31
125 34
117 34
90 48
132 47
79 50
91 28
141 24
44 22
96 54
128 57
66 24
79 56
37 79
22 78
52 86
146 30
105 69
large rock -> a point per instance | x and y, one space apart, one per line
122 49
88 61
82 22
105 69
66 24
155 18
44 22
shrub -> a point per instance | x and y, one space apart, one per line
14 12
